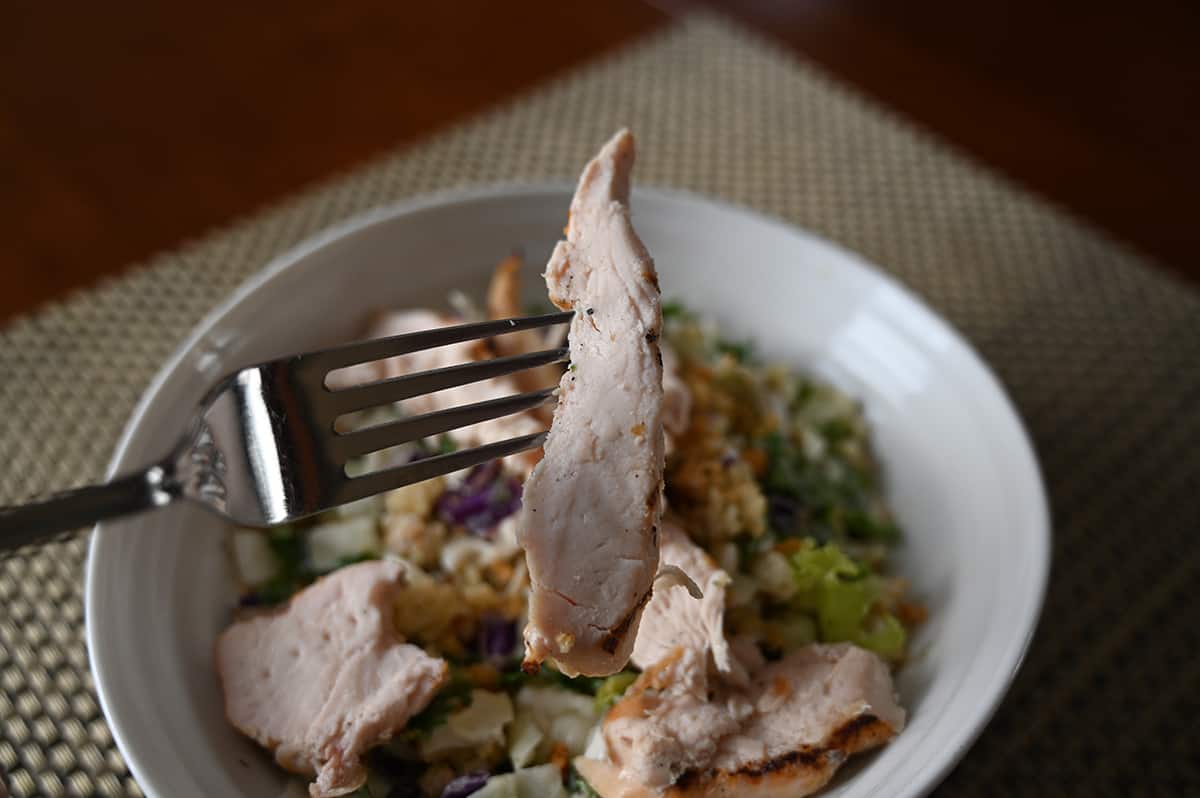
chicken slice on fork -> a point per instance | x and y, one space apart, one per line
593 504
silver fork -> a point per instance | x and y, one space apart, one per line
263 449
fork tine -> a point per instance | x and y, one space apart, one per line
361 397
419 470
381 436
380 348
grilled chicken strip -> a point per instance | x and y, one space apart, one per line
674 619
592 505
675 734
327 678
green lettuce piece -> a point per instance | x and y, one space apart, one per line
816 568
612 688
842 593
828 498
883 634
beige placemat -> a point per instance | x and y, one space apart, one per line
1101 354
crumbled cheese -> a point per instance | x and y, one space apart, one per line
414 538
252 554
330 545
417 499
774 575
464 552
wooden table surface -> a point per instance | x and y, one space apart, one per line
126 127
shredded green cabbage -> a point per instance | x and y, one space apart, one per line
844 596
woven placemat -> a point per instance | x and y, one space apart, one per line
1100 353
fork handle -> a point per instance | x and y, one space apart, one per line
39 521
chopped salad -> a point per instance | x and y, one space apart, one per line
771 473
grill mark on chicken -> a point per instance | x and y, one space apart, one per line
565 598
613 639
679 730
864 731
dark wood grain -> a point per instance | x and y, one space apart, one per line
126 127
1095 105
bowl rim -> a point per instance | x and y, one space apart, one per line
1013 654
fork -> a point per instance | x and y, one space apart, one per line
262 448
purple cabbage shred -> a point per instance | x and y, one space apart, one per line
784 513
485 498
466 784
497 639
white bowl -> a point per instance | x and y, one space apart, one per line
959 468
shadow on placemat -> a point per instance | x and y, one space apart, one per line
1099 352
